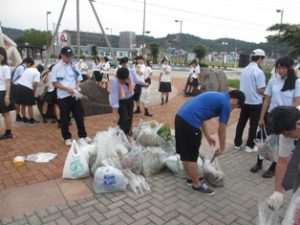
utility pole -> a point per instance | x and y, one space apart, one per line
78 30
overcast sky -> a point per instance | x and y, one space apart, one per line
212 19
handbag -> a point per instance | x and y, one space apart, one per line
268 148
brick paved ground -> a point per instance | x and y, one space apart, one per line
170 201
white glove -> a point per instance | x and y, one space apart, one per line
77 95
275 201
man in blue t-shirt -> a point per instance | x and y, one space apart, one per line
193 115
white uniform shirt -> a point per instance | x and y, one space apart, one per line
195 71
279 97
166 71
29 76
141 72
83 67
4 75
105 68
97 67
251 79
149 72
18 72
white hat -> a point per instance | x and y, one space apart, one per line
258 52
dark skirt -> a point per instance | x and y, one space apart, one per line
98 75
137 92
195 82
3 107
13 91
165 87
24 96
50 97
84 77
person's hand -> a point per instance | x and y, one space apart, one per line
211 141
275 201
6 101
219 152
261 123
71 91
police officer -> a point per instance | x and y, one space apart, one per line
66 77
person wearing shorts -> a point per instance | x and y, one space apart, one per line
191 117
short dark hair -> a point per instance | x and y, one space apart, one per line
283 118
28 60
3 52
124 60
139 57
105 58
122 73
290 81
40 68
239 95
255 58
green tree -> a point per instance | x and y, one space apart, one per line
200 51
154 48
288 34
34 38
94 51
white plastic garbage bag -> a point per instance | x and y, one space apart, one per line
174 164
109 179
154 160
76 166
137 183
133 160
89 150
267 216
213 173
41 157
292 216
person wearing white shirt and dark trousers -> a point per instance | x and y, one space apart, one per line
165 86
105 66
192 82
282 90
83 68
252 84
27 62
25 90
6 104
66 77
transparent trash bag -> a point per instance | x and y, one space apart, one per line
292 216
137 183
267 216
268 148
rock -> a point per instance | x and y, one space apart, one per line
97 101
213 80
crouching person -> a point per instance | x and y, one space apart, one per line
191 121
121 100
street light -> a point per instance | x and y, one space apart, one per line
225 43
110 29
179 21
281 17
47 15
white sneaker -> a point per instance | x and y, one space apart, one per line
237 147
68 142
88 140
249 150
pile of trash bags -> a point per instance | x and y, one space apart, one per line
117 161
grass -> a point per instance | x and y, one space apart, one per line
234 83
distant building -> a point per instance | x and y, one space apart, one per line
127 39
86 38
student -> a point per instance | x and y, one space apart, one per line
192 117
140 71
282 90
145 98
83 68
165 81
192 83
66 77
105 66
252 84
121 98
14 81
50 97
97 70
26 88
6 104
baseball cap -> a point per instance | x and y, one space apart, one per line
67 51
258 52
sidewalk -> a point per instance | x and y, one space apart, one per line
35 194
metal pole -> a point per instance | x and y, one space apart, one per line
47 20
181 26
78 31
49 49
103 32
144 19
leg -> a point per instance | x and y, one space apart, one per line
44 111
7 121
123 116
23 110
167 97
162 98
191 169
138 107
65 109
130 106
254 114
241 126
30 111
77 112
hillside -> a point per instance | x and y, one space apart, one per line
187 42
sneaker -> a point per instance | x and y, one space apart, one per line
69 142
88 140
25 120
236 147
6 136
33 121
203 188
248 149
189 181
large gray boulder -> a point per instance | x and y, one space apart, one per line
96 101
213 80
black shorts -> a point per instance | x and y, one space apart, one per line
98 75
188 140
4 108
137 92
50 97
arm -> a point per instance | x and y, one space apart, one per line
222 138
62 87
260 91
114 96
296 101
281 168
264 109
206 134
7 92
